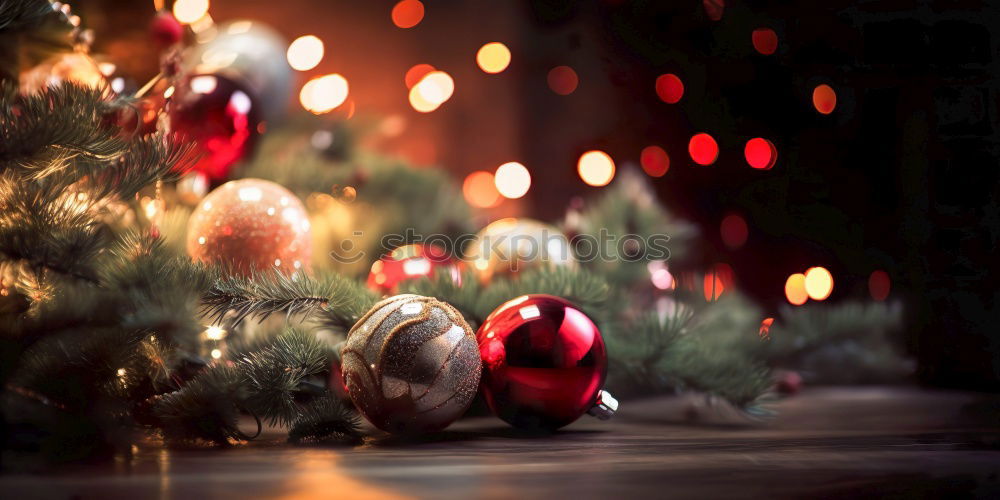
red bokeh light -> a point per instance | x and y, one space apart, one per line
824 99
734 231
717 280
563 80
408 13
760 153
669 88
714 8
654 161
703 149
765 40
879 285
414 74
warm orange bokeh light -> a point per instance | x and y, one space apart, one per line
416 73
323 94
596 168
480 191
512 180
669 88
563 80
818 283
189 11
879 285
734 231
408 13
765 329
824 99
703 149
305 52
654 161
717 280
431 91
493 57
765 40
760 153
795 289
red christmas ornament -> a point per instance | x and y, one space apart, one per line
251 225
409 262
220 116
165 30
544 363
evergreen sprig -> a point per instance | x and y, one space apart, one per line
326 419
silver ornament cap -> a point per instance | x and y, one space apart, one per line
604 407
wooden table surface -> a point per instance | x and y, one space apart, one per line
825 442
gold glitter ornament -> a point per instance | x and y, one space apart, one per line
510 246
251 225
411 364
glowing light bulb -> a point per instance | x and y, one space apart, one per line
323 94
493 57
305 52
818 283
795 289
189 11
596 168
512 180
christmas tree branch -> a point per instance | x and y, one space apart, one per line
325 419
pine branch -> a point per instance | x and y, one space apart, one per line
207 407
340 301
581 287
326 419
272 374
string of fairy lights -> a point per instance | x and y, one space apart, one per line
429 88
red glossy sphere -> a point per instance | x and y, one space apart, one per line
544 362
410 262
165 30
220 116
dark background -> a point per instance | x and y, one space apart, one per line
902 176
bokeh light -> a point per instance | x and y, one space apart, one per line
563 80
734 231
493 57
416 73
480 191
824 99
189 11
431 91
512 180
669 88
660 275
717 280
654 161
765 329
703 149
879 285
408 13
305 52
323 94
818 283
795 289
714 8
765 40
760 153
596 168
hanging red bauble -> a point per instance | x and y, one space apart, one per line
409 262
544 363
220 116
165 30
250 225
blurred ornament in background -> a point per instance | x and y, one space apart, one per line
220 116
250 225
165 30
411 364
76 67
410 262
544 363
510 246
252 56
